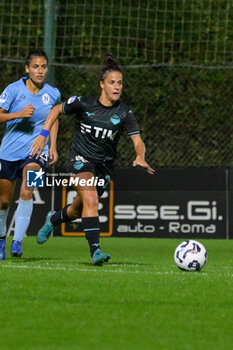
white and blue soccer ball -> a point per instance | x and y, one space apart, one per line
190 256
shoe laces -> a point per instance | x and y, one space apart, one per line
17 244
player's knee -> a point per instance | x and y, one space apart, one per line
91 201
4 203
26 195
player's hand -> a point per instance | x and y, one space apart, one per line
141 162
27 112
53 155
38 146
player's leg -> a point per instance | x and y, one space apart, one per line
6 193
23 212
91 224
85 205
90 217
56 218
67 214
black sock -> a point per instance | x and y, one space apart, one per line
60 216
91 227
3 237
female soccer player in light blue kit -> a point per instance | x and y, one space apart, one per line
24 106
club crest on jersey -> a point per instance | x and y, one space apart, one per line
46 99
71 99
115 119
78 165
3 97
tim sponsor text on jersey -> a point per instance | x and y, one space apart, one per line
97 131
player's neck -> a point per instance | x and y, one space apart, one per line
105 101
33 87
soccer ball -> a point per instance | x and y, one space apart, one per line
190 256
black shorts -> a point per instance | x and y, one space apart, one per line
77 164
13 170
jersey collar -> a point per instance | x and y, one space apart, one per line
107 107
24 79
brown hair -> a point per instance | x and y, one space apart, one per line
36 53
110 64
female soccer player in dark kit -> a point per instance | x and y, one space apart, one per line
99 123
24 106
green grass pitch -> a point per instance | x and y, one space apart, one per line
54 299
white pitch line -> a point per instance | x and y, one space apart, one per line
78 269
101 269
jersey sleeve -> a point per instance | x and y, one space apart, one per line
58 98
72 105
6 98
130 124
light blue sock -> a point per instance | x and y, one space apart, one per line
22 218
3 217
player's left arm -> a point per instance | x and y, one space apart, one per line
140 151
133 131
53 155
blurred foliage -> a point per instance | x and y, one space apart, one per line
136 31
185 114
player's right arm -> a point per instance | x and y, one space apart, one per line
26 112
71 106
7 98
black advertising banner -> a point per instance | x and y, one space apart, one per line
175 202
170 214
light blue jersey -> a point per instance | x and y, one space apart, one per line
20 133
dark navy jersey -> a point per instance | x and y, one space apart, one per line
98 128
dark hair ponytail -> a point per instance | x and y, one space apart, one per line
110 64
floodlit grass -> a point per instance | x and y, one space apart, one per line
54 299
